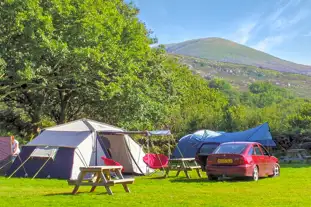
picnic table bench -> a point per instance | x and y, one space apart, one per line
183 164
300 155
101 177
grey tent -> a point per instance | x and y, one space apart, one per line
77 144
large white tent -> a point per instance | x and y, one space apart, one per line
77 144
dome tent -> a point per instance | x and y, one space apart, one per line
77 144
189 144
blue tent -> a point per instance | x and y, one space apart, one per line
189 144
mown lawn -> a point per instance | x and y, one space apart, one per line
292 188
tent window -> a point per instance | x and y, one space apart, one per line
45 152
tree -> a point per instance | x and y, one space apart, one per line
219 84
60 59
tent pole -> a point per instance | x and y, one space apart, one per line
128 149
19 167
148 150
169 149
6 164
41 168
23 166
95 133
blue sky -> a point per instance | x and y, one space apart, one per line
279 27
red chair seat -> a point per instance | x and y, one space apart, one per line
108 161
156 161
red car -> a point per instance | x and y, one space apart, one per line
241 159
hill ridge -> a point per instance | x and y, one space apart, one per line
223 50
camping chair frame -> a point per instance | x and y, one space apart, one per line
163 168
147 134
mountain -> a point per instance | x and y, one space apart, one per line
241 76
223 50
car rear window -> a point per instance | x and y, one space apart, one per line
230 149
208 148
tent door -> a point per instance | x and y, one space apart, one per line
105 145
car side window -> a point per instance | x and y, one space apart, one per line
257 150
265 152
251 151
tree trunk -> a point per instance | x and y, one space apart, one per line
62 113
64 99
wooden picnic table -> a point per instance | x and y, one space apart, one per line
300 155
101 177
183 164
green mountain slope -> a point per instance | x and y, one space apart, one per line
227 51
241 76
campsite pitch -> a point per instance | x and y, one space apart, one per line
292 188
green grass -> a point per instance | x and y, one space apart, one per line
292 188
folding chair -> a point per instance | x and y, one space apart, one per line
111 162
156 161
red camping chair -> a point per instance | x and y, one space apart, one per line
156 161
108 161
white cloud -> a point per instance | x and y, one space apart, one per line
269 42
280 25
301 15
283 23
278 13
276 20
243 34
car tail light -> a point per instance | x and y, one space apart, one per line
209 161
243 161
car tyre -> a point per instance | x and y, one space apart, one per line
255 175
276 170
212 177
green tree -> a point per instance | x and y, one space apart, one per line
219 84
63 58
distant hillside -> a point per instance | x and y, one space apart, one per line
227 51
241 76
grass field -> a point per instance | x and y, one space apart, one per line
292 188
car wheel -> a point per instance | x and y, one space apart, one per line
255 174
276 170
212 177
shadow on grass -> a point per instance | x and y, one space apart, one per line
158 178
205 180
62 194
70 194
295 165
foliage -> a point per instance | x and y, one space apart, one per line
64 60
219 84
302 119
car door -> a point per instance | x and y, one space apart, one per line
259 159
267 160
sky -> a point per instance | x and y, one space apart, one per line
279 27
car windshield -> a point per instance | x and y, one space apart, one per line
208 148
230 149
